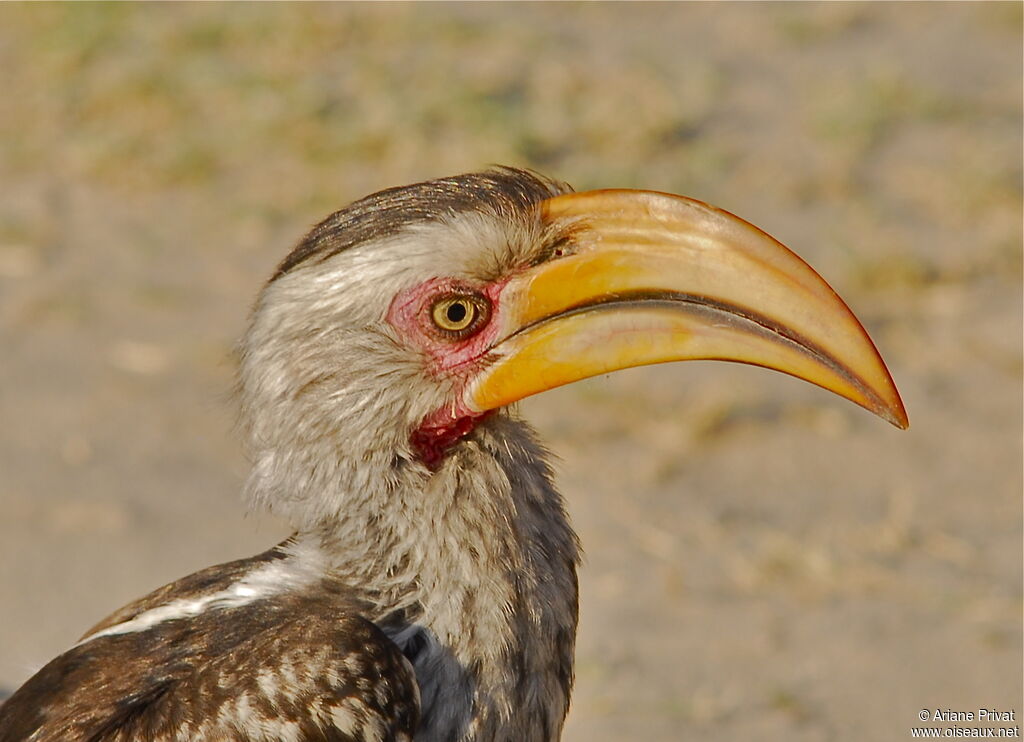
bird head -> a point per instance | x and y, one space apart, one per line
408 319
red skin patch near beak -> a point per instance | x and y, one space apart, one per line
432 443
454 358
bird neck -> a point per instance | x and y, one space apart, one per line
472 571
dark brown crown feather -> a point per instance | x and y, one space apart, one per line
503 191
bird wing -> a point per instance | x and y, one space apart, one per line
289 668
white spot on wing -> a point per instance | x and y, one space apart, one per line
344 720
263 582
373 731
267 683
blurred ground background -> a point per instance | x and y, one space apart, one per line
765 561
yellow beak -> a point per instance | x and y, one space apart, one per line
651 277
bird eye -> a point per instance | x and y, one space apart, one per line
459 314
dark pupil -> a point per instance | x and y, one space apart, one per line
456 312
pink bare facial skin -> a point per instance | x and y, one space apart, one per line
448 356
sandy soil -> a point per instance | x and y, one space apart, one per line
765 561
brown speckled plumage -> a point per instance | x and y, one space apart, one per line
303 666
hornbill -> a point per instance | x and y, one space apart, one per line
429 590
